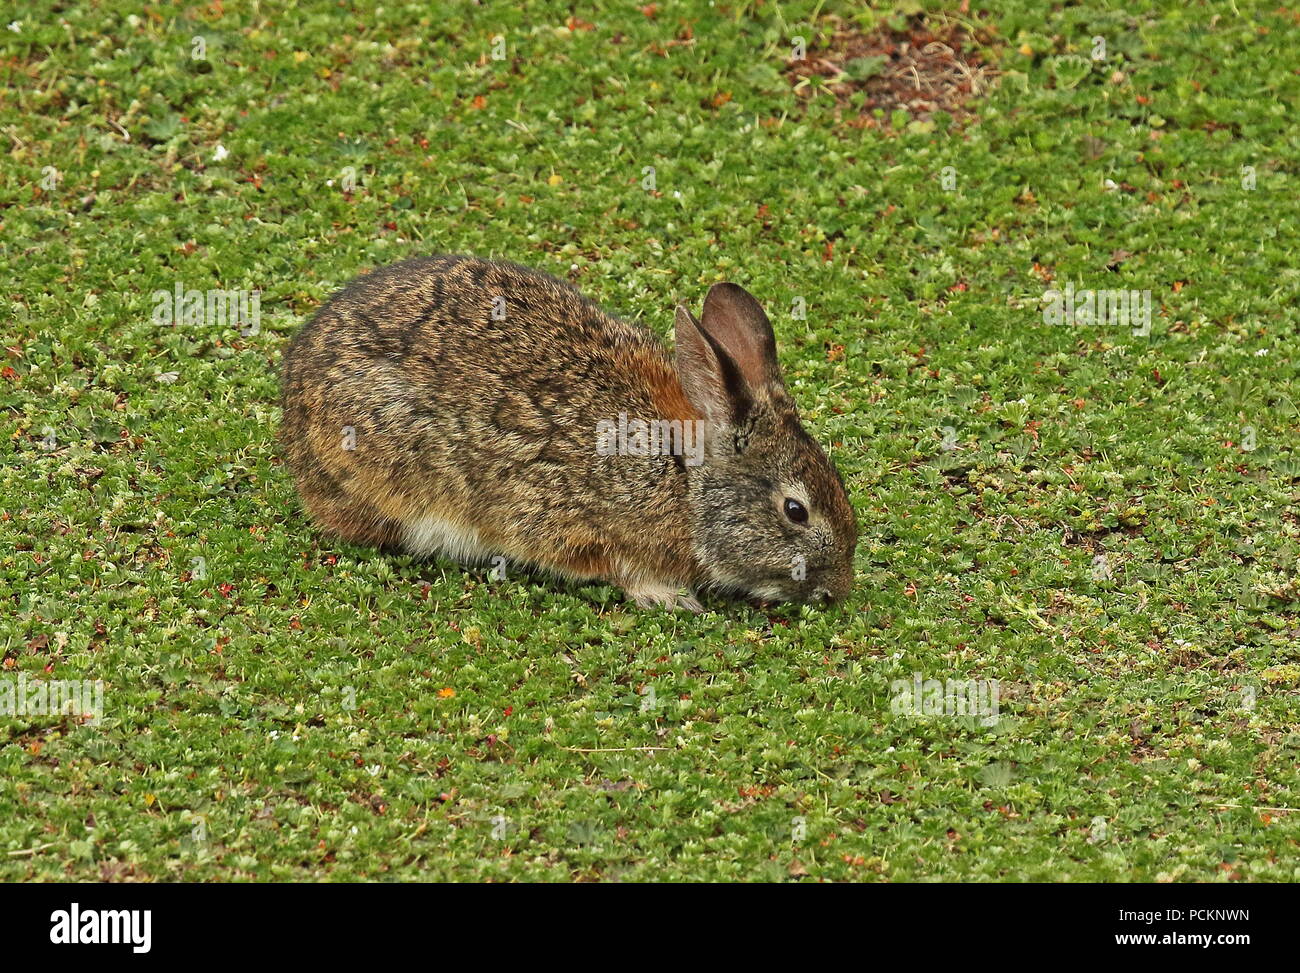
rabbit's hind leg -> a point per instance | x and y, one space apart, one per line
357 524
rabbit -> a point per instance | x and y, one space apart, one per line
482 410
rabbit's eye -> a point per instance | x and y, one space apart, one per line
796 511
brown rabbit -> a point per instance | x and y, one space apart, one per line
479 409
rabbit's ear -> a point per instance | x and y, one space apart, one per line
712 381
737 325
727 361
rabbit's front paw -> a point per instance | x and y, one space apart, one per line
661 596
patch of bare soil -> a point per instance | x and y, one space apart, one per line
927 67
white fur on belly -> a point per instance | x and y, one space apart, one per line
432 534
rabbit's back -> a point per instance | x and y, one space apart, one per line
450 403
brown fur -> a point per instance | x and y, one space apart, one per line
476 436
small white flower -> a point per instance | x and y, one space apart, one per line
221 153
1109 185
677 194
16 26
1261 353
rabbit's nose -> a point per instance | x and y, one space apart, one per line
836 589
